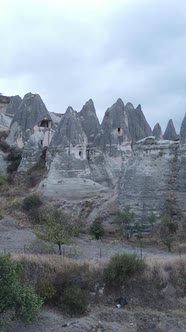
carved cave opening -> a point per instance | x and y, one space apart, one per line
44 123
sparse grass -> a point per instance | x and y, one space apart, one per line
147 289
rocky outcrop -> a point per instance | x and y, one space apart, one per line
137 124
114 128
4 101
69 132
31 111
4 121
13 106
170 132
89 120
149 177
31 121
120 159
157 132
183 131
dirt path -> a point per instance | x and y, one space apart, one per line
14 238
106 319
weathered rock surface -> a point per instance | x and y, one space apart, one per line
69 131
4 101
31 111
114 127
118 158
157 132
89 120
4 121
13 105
183 131
170 132
137 124
149 177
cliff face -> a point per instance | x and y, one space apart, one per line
119 158
150 178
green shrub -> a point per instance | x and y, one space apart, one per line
28 304
31 202
74 300
96 229
46 288
9 282
14 294
2 180
121 267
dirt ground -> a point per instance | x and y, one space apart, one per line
106 319
17 238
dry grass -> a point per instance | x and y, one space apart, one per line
161 286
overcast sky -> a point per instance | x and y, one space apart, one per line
73 50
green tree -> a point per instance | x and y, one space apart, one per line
151 220
168 242
14 295
126 221
58 227
96 229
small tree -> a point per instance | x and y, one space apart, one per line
96 229
168 242
139 237
58 227
125 220
151 220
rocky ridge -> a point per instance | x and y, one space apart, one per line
84 159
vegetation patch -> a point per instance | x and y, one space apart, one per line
74 300
16 296
96 229
121 267
31 202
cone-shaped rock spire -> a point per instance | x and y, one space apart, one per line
157 132
170 132
89 120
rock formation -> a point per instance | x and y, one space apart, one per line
170 132
183 131
89 120
118 160
31 111
157 132
114 127
137 124
13 106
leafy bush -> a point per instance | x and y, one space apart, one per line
96 229
9 282
31 202
28 304
14 294
46 288
121 267
74 300
2 180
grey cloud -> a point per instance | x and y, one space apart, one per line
135 51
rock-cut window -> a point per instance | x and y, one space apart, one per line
119 130
44 124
